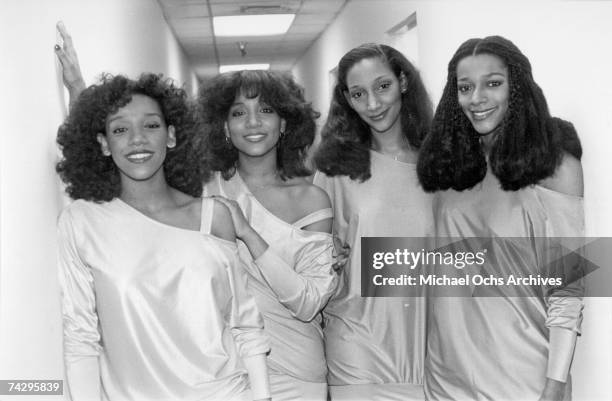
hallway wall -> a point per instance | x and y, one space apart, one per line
122 37
565 42
360 21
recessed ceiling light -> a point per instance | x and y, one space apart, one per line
252 25
240 67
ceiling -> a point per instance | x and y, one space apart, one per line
191 21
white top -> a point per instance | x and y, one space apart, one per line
375 340
291 282
497 347
163 308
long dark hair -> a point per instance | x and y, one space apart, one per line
278 90
346 138
528 148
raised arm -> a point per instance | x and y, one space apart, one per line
71 71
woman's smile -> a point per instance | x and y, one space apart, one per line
140 156
256 137
480 115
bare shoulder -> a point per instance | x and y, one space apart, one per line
568 178
187 205
309 178
222 225
183 200
309 197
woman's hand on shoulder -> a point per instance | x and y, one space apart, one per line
241 227
222 222
239 223
568 178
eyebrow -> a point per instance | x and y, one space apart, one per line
486 76
118 117
261 103
374 80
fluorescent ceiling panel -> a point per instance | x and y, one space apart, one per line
240 67
252 25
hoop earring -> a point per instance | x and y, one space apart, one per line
403 82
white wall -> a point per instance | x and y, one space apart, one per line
111 35
360 21
568 44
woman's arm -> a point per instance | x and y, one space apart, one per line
80 320
568 178
247 329
256 244
83 376
303 289
564 304
257 367
246 322
71 71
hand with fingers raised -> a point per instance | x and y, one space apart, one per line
241 225
244 231
71 71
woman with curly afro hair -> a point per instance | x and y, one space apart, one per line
154 302
259 128
379 114
505 169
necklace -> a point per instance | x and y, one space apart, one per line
397 156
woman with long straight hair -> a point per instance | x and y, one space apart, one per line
366 162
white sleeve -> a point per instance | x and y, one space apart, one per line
305 289
80 320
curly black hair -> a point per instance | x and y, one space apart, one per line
346 138
530 143
280 92
89 174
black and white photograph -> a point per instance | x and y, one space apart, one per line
320 200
